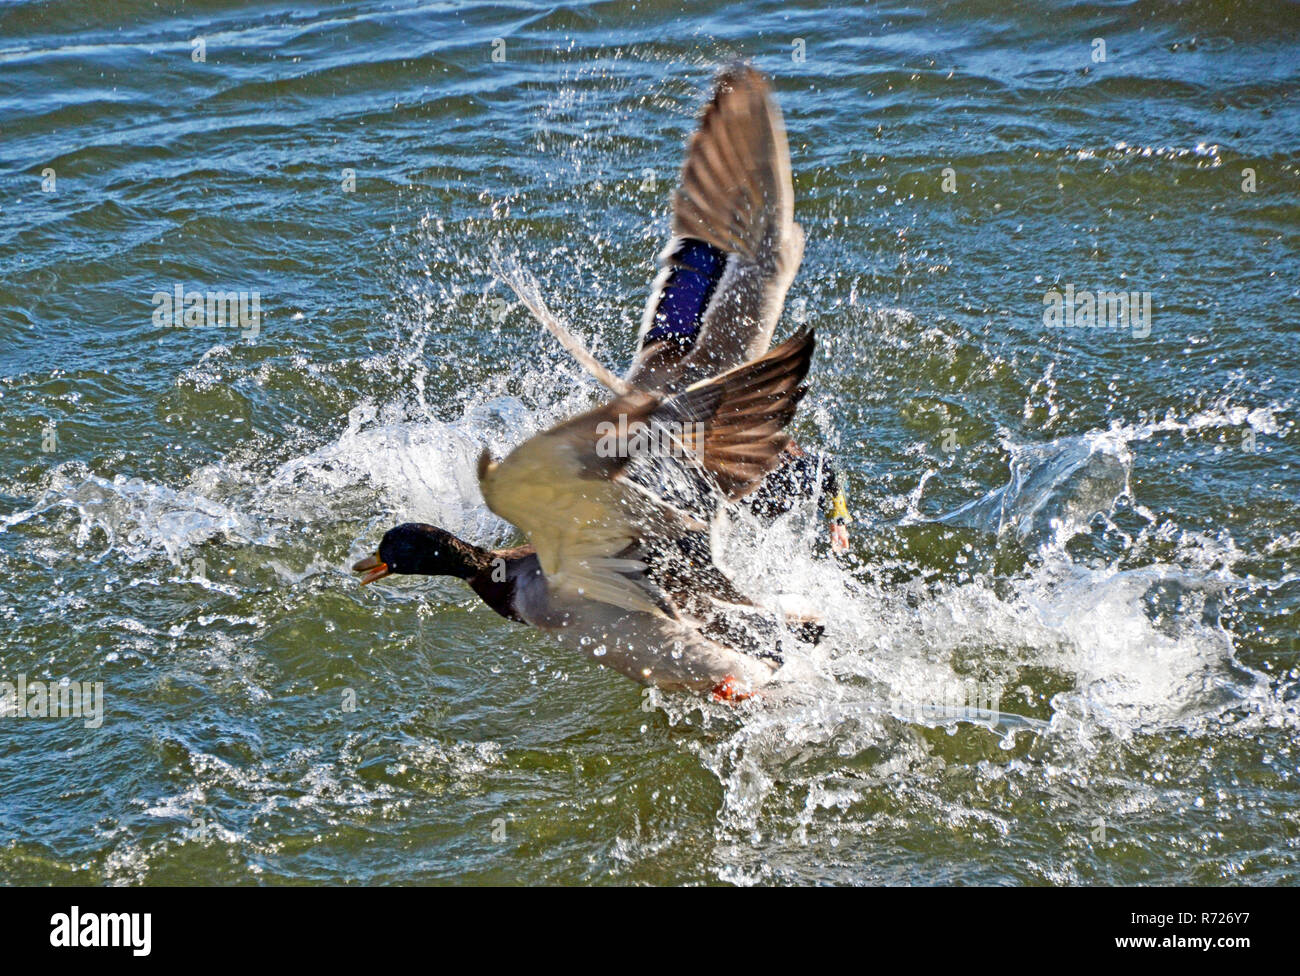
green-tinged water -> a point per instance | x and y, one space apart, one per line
1097 530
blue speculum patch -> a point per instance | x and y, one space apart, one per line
697 269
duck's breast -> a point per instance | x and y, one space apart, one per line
655 650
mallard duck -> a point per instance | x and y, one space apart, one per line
599 522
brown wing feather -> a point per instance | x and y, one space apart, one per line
737 168
744 412
735 194
739 419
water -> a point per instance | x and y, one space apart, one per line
1099 530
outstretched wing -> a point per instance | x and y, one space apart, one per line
582 496
735 246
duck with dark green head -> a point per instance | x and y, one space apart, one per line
590 572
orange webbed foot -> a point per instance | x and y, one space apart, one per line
728 690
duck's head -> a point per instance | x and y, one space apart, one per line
423 550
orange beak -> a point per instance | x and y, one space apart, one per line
372 568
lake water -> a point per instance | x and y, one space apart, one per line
1090 532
